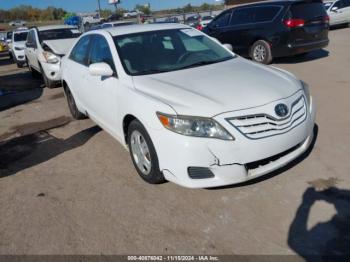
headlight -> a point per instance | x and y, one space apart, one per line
194 126
50 57
19 48
306 91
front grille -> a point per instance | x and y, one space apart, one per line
262 125
263 162
199 173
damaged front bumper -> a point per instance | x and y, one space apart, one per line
218 163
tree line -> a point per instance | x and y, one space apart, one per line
33 14
29 13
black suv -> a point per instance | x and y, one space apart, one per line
272 29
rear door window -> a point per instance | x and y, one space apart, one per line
259 14
307 11
243 16
266 13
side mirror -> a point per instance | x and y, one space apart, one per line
228 47
100 69
334 9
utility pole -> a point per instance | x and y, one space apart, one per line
99 8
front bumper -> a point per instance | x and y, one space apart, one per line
52 71
229 161
19 56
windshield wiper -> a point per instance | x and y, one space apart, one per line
201 63
151 71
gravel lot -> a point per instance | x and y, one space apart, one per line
67 187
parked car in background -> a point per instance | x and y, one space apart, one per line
205 20
90 19
73 20
192 20
9 37
131 14
173 19
115 24
189 110
3 46
18 23
17 53
45 47
338 11
95 27
113 17
271 29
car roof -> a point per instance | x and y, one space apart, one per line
130 29
53 27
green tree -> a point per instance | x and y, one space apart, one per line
105 13
144 9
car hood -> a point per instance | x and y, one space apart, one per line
223 87
60 46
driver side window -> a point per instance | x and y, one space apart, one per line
100 52
80 52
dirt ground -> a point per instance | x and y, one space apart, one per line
67 187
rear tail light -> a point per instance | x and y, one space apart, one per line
292 23
326 19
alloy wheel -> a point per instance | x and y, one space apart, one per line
259 53
140 152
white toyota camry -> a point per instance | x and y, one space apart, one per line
189 110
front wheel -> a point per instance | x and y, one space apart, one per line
261 52
143 154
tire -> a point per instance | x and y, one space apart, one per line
261 52
76 114
19 65
35 74
141 147
48 83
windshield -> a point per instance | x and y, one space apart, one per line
168 50
55 34
20 36
327 5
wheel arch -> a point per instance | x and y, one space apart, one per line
126 123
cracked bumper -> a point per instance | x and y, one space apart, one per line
229 161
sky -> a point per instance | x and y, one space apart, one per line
91 5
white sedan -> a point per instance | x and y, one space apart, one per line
189 110
338 11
